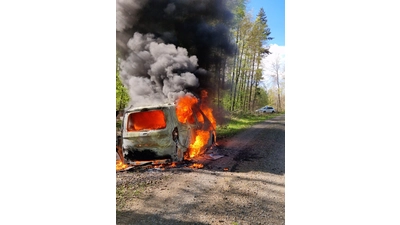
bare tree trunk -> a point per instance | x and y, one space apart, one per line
238 74
244 85
279 95
218 80
247 84
252 80
256 86
276 68
234 72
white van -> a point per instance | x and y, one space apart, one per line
154 132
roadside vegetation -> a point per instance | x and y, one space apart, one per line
239 122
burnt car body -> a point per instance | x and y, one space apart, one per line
154 132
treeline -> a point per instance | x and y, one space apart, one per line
236 77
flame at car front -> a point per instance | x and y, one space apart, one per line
201 139
186 112
207 110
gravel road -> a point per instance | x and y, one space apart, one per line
246 186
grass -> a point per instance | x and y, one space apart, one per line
237 123
127 192
123 194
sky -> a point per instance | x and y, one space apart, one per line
275 12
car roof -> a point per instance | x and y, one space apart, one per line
157 106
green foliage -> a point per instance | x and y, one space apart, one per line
262 20
271 97
240 10
247 68
239 122
118 124
226 99
262 96
122 97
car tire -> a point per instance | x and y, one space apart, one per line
213 139
179 155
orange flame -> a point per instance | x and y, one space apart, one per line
196 165
121 165
146 120
207 110
186 114
184 109
201 140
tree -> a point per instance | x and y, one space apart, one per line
122 97
277 69
247 72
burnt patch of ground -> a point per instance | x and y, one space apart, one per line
243 155
246 155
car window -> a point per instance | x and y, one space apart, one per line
147 120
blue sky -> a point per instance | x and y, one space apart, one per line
275 11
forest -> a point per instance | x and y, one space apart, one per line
236 79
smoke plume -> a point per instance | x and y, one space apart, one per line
166 47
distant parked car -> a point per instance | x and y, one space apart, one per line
266 109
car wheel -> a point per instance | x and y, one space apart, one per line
179 155
212 139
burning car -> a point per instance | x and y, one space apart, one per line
173 131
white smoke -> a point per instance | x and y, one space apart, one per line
155 72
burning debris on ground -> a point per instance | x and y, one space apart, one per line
159 167
142 166
196 165
198 162
121 165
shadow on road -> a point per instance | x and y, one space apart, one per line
125 217
267 154
259 148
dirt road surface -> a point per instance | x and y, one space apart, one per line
246 186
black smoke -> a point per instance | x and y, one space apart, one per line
201 27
